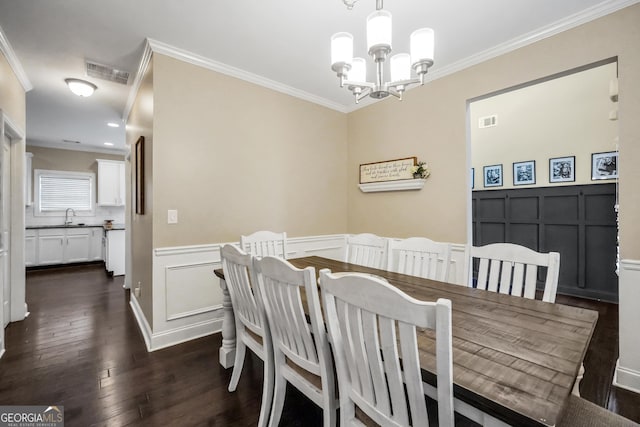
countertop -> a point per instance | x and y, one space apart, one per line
40 227
36 227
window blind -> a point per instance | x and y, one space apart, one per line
59 192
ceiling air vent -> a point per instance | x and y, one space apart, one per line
105 72
71 141
488 121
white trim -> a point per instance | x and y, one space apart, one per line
14 62
627 379
2 352
401 185
605 8
145 60
143 325
197 311
210 64
152 46
629 264
184 250
185 333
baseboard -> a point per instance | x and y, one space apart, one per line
143 325
186 333
627 379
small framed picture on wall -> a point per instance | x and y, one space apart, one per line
562 169
492 176
524 173
604 165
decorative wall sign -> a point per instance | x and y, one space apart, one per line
389 170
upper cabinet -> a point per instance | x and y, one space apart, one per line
111 183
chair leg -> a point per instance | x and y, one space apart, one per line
279 392
267 391
241 349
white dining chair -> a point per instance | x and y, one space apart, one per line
263 243
372 329
513 269
366 249
252 328
419 256
302 356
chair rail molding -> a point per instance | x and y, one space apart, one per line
187 299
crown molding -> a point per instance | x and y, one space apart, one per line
12 59
602 9
145 60
154 46
201 61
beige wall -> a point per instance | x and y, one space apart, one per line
431 123
566 116
67 160
12 96
140 123
234 158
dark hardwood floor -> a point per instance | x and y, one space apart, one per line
81 348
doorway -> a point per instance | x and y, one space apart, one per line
5 223
520 135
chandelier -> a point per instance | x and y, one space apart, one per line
353 71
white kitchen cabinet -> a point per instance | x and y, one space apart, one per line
95 244
111 183
76 247
114 252
30 245
51 246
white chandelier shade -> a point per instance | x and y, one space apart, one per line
352 71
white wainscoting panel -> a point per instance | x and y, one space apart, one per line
187 299
627 374
459 255
191 289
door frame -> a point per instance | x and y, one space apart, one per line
18 304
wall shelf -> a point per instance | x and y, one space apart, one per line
401 185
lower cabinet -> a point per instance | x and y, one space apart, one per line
30 245
51 246
114 252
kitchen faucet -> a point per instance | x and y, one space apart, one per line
67 221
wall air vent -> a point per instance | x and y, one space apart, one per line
488 121
106 72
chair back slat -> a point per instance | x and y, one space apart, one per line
246 302
419 256
513 269
265 243
366 249
379 370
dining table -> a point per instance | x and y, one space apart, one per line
515 360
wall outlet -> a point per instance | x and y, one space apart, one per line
172 216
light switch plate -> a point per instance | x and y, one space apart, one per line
172 216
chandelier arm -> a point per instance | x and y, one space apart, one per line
395 93
404 83
364 94
364 85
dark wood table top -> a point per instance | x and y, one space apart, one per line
513 358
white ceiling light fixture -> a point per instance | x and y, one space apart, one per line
113 125
81 87
353 71
109 144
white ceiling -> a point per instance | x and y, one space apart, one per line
286 41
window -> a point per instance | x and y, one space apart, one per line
56 191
